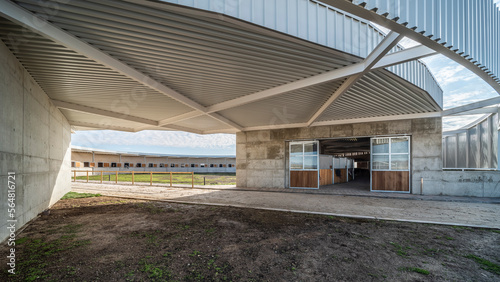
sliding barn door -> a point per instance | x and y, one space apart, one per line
304 164
390 164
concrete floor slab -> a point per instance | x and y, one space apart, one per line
404 209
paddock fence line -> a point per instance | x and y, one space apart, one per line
116 173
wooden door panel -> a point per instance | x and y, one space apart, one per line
391 181
306 179
325 176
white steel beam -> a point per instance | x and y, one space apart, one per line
339 92
100 112
181 128
180 117
396 58
31 21
99 126
480 111
380 51
170 127
406 55
472 106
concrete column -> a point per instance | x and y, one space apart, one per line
35 142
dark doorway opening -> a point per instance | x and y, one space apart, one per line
350 163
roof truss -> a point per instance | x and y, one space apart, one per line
48 30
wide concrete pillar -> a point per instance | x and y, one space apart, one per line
34 145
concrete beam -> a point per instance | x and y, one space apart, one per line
346 121
375 119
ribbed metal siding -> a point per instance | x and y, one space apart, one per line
471 28
476 146
316 22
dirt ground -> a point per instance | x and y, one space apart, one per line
113 239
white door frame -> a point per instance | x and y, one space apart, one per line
290 161
390 153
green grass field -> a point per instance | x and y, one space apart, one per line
75 195
199 179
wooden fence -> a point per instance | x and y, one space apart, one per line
133 173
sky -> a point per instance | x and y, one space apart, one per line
460 87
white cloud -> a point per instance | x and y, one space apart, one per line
453 123
154 138
459 98
450 74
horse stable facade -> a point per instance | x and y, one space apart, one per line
86 159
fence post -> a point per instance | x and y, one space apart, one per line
116 177
150 178
101 176
192 179
74 178
170 179
87 176
132 178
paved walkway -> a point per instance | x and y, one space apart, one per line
465 213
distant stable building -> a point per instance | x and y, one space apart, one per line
302 83
84 159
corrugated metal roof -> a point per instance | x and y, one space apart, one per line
379 93
292 107
205 59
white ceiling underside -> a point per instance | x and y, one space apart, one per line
208 61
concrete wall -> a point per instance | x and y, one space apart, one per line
261 156
34 143
466 183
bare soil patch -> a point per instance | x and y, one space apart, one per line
110 239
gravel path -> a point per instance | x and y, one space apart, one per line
452 213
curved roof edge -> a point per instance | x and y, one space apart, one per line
466 32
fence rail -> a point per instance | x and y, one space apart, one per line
133 174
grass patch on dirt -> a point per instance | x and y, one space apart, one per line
113 239
75 195
416 270
162 178
485 264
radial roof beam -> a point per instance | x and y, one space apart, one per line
104 113
378 53
31 21
471 106
481 111
100 126
178 118
396 58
